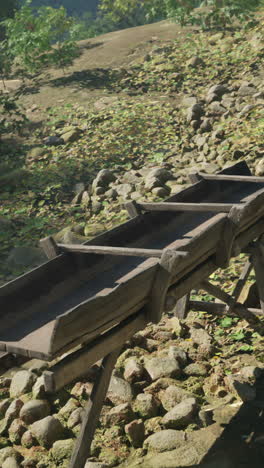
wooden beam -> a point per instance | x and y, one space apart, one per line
92 411
231 178
108 250
194 207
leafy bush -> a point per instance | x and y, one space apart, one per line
37 40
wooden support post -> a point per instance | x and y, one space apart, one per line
182 307
93 411
169 261
236 307
50 247
258 263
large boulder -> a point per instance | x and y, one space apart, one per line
47 431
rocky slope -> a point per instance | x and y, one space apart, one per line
176 106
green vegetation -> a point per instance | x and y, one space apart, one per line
37 40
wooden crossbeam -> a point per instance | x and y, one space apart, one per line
195 207
231 178
104 250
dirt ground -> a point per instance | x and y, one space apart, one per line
112 50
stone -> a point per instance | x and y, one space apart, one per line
194 112
13 410
38 390
16 430
161 192
124 190
10 462
200 337
246 90
242 390
120 414
195 62
112 194
178 354
197 369
47 431
151 183
216 108
37 366
29 463
189 101
181 415
24 257
178 327
135 431
75 418
172 396
36 153
53 141
62 449
71 135
34 410
4 425
133 371
218 89
160 173
91 464
163 441
4 404
70 406
206 416
104 178
28 440
8 452
250 373
211 97
259 169
162 367
146 405
206 125
120 391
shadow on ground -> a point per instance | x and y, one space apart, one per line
92 79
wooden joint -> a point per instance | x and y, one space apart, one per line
165 270
50 247
133 208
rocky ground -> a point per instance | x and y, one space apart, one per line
182 390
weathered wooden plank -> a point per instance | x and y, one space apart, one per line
96 315
231 178
93 410
76 364
194 207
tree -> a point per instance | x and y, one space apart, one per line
7 10
36 39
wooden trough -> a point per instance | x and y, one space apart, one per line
100 293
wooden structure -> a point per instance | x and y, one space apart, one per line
99 294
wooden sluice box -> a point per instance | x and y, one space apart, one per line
100 293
